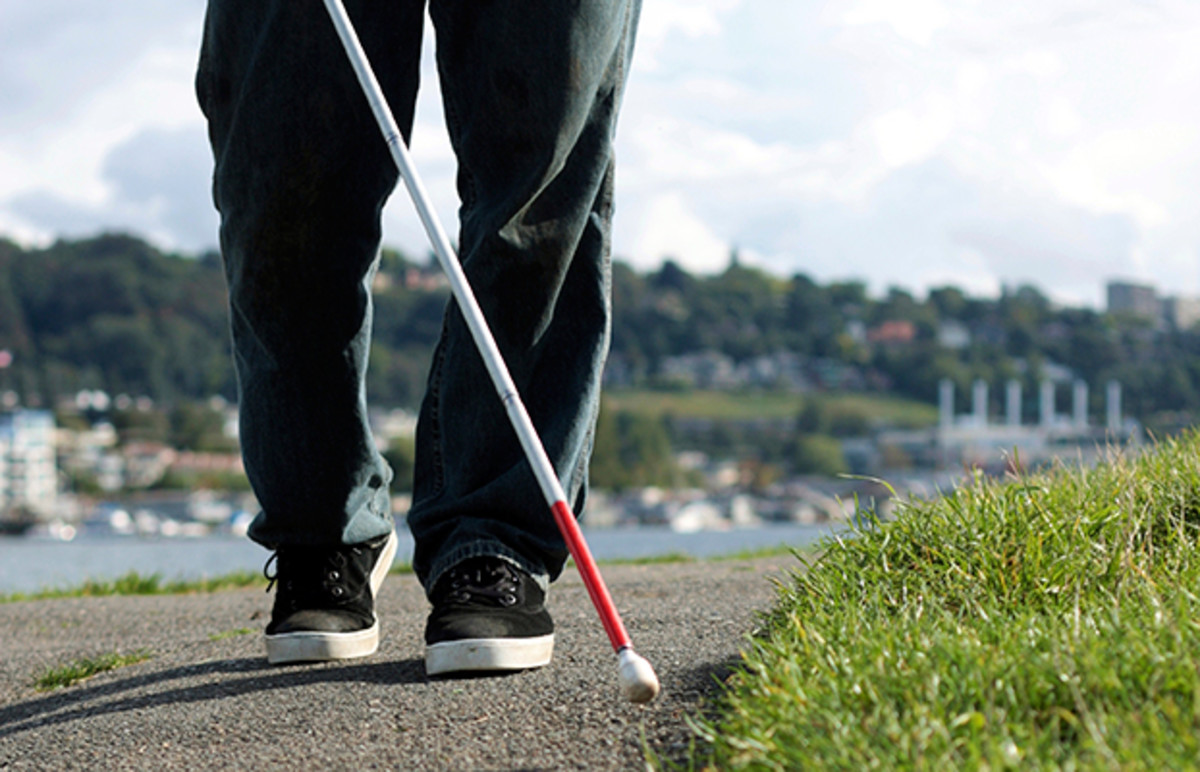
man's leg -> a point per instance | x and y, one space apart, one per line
300 177
531 93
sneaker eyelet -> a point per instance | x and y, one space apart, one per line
334 576
337 592
508 599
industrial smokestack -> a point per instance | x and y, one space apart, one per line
1046 404
979 404
1113 404
1079 404
1012 403
946 403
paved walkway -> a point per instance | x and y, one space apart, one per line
206 699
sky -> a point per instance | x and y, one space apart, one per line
912 144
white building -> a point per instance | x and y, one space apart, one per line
28 476
976 438
1182 313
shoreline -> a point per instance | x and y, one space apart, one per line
31 566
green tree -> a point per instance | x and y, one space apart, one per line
138 425
632 449
401 456
197 426
818 454
810 318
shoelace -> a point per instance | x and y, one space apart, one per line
332 570
271 577
492 583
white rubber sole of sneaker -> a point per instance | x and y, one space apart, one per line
315 646
488 654
321 647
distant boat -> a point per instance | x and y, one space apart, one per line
16 522
57 530
14 528
698 516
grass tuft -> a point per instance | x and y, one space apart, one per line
134 583
57 678
225 635
1048 621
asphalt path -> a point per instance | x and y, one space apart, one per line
207 699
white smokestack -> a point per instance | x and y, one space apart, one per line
1012 403
946 403
1079 403
1046 403
979 403
1113 402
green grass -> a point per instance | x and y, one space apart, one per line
726 405
57 678
133 583
225 635
1046 622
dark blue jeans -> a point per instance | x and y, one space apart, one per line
531 92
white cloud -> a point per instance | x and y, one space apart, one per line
666 226
908 143
661 19
79 81
156 185
914 20
909 135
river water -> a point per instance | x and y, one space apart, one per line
33 563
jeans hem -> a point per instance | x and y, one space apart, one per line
485 548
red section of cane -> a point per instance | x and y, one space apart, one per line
592 579
638 680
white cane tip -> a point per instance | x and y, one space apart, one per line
638 681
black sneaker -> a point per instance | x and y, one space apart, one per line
325 601
487 616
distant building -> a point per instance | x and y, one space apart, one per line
953 334
856 330
973 439
390 425
1134 299
28 475
145 463
701 369
892 331
1182 313
780 370
429 279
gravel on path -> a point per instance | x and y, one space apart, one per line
206 698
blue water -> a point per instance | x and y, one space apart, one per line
28 564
